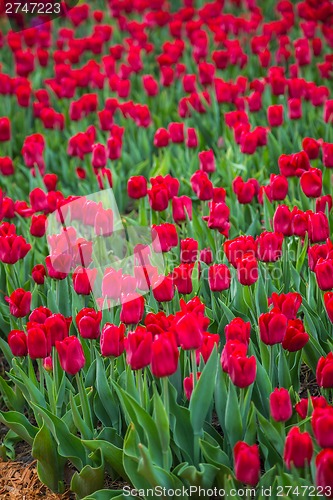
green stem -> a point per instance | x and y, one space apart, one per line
139 385
271 365
194 367
86 411
41 375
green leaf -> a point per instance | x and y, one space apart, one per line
202 394
233 419
19 423
88 480
50 466
112 455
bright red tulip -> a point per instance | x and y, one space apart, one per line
71 356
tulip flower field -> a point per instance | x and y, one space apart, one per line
166 247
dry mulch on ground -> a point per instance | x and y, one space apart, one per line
19 481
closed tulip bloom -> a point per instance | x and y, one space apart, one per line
218 218
299 223
316 401
17 341
296 337
311 147
247 269
112 283
328 300
71 356
189 332
206 256
188 385
137 187
19 303
158 197
103 224
138 346
210 340
318 227
275 115
280 405
312 182
316 252
132 308
219 277
176 131
88 322
324 274
272 327
238 329
112 340
324 203
288 303
322 425
58 267
327 154
192 138
279 187
235 249
294 109
163 288
181 208
207 161
99 156
5 132
161 138
324 471
242 370
282 220
188 250
232 348
182 278
83 280
269 246
13 248
324 371
202 185
56 328
165 354
298 448
38 225
247 463
39 345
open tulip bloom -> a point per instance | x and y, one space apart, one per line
166 246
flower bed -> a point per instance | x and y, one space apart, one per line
166 254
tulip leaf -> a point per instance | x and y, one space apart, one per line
106 395
69 445
143 422
233 418
108 495
202 478
88 480
13 399
50 465
163 428
112 455
202 394
19 423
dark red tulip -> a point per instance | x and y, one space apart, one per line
298 448
138 346
132 308
165 355
88 323
181 208
322 422
238 329
280 405
188 250
312 183
272 327
39 345
19 303
247 269
269 246
219 277
17 341
13 248
247 463
242 370
71 356
112 340
163 288
324 371
288 303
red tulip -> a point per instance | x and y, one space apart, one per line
247 463
303 405
138 346
189 386
58 267
324 203
322 422
207 161
88 322
176 131
324 371
158 197
327 154
288 303
312 183
298 448
218 217
163 288
17 341
235 249
296 337
5 132
188 250
272 327
181 208
275 115
219 277
13 248
324 473
202 185
318 227
324 273
71 356
39 345
328 299
280 405
83 280
311 147
232 348
182 278
112 340
242 370
56 328
238 329
132 308
19 303
112 283
206 256
189 332
165 354
247 269
269 246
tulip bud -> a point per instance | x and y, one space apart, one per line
38 273
188 385
83 280
298 448
219 277
71 356
242 370
280 405
138 346
247 269
165 355
137 187
272 327
17 341
88 322
247 463
132 308
163 288
39 345
189 332
112 340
